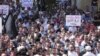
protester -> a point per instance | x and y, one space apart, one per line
40 33
72 51
97 49
88 51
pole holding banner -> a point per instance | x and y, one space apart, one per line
1 27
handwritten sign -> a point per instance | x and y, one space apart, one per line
73 20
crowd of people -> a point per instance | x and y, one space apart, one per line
48 35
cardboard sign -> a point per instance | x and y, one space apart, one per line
4 9
73 20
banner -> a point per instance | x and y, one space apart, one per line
26 3
73 20
4 9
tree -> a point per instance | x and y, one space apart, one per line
50 4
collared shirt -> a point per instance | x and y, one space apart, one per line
89 54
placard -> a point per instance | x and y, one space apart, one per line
73 20
4 9
98 27
26 3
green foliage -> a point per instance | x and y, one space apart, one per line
50 4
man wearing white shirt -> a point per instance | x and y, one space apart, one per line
88 51
71 51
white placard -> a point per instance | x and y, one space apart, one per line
73 20
26 3
98 27
1 25
4 9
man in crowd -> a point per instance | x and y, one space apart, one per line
88 51
72 51
48 35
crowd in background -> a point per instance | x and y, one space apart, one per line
48 35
